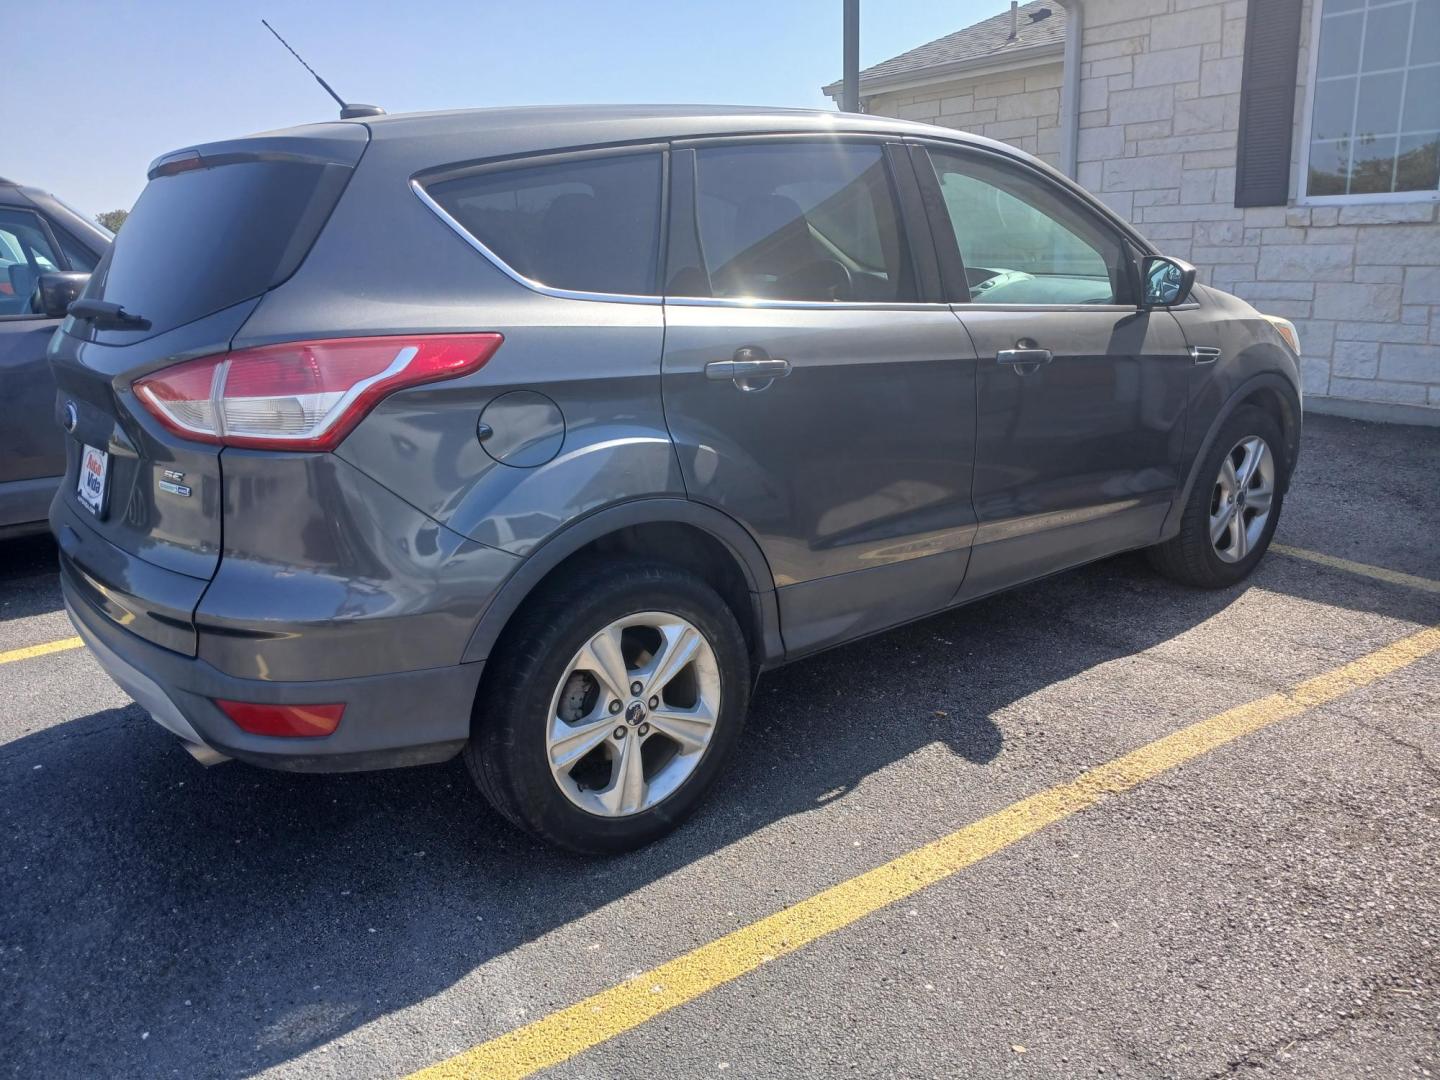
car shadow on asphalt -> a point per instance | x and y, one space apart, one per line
28 583
244 917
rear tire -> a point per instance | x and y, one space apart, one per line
562 752
1233 508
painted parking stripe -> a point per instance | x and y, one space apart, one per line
1379 573
31 651
588 1023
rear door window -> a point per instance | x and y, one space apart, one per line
584 225
809 221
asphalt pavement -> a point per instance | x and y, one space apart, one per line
1271 907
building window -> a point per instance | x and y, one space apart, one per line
1375 100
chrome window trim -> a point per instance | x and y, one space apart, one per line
804 305
513 274
961 308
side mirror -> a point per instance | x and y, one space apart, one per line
1167 281
55 291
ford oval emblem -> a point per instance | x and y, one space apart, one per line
72 416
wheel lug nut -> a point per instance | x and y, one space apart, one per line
643 729
654 703
636 688
620 733
614 706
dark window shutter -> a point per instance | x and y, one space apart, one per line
1267 102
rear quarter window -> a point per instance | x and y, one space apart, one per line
590 225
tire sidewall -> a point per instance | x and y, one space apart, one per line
1244 422
514 732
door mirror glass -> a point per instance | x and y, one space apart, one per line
55 291
1167 281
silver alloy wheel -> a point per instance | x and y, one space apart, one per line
1240 504
633 714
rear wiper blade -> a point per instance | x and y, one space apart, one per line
107 315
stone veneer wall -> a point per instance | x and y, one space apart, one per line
1159 115
1020 107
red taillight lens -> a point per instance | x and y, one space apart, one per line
302 395
290 721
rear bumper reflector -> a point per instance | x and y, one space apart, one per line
286 721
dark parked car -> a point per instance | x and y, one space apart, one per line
42 241
538 434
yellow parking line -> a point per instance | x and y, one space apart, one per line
1379 573
563 1034
40 650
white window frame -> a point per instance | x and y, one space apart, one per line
1302 197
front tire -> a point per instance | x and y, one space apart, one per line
1233 508
563 743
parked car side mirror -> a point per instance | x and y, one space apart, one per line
55 291
1167 281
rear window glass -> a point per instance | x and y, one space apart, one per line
591 225
803 221
200 241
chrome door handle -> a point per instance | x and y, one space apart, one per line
1023 356
747 369
751 369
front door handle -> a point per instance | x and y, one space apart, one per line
751 369
1023 356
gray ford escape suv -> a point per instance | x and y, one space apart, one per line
538 433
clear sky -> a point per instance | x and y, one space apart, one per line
96 90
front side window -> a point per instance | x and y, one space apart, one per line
1023 242
1375 106
25 254
587 225
81 258
806 221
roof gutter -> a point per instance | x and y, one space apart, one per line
927 76
1070 88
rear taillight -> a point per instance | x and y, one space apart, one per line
288 721
302 395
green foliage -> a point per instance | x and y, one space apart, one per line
113 219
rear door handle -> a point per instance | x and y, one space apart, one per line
1023 356
751 369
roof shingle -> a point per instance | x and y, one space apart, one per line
990 38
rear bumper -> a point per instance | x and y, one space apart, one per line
402 718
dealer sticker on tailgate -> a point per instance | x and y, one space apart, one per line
91 488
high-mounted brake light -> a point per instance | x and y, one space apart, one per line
302 395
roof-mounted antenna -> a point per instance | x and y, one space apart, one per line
348 111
